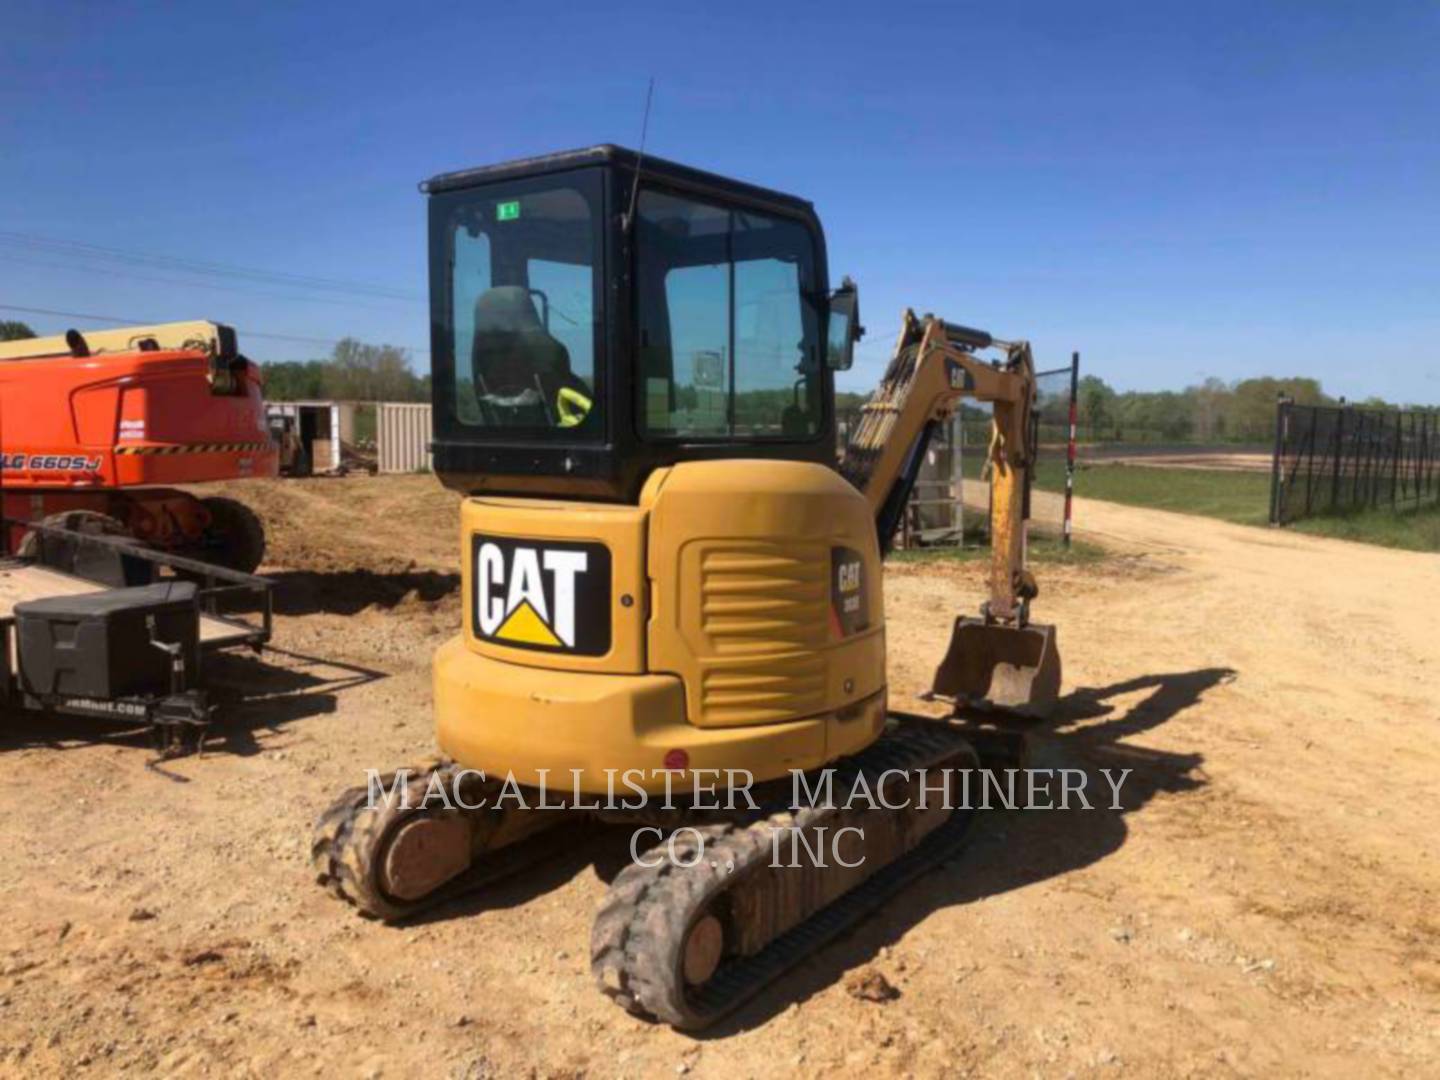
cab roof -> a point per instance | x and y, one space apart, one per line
651 168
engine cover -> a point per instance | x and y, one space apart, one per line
766 593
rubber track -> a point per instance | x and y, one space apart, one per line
641 926
349 839
348 835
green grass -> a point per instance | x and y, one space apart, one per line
1043 548
1242 498
1413 530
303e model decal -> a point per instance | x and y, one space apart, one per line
547 595
849 597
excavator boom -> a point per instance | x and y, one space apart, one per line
999 658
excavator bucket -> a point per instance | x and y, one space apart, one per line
1010 667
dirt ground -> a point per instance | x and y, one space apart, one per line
1208 459
1264 903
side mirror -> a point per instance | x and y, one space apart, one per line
844 328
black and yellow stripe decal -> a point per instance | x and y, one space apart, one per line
196 448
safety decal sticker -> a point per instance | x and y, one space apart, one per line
195 448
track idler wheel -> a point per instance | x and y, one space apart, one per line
399 856
392 858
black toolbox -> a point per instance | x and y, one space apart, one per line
103 644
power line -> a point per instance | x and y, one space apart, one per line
131 275
75 249
144 322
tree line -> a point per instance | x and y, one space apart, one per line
11 330
354 371
1213 411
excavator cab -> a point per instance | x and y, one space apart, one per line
597 315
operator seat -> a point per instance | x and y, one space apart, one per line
517 365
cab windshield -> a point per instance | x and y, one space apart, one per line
522 318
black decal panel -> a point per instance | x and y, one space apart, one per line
849 592
549 595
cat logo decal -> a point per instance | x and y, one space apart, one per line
536 594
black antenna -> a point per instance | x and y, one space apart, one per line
640 156
4 524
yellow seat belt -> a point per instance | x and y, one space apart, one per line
571 406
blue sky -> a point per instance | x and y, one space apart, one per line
1176 190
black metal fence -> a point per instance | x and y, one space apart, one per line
1335 459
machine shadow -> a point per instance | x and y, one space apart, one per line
252 694
266 694
1009 850
348 592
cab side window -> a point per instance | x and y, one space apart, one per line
524 316
728 328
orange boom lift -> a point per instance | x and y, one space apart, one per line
95 429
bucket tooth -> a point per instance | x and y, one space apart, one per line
1010 667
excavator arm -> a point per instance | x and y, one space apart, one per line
998 658
931 371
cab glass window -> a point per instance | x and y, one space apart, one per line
727 323
523 318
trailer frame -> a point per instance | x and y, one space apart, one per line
183 709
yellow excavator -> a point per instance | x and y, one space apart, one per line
670 581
